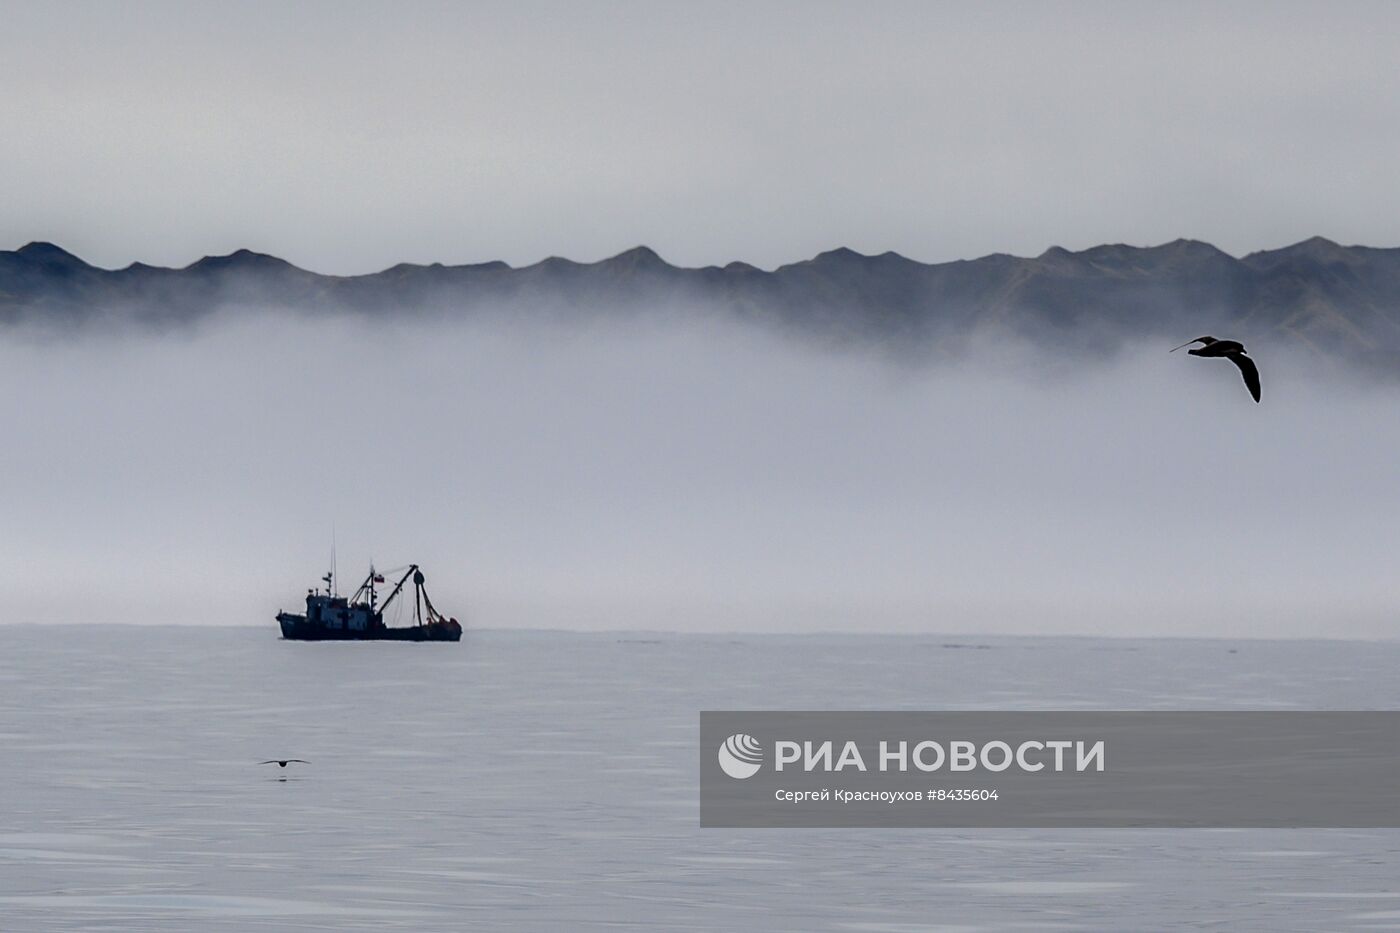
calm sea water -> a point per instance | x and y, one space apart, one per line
547 781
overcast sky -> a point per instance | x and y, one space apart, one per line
347 137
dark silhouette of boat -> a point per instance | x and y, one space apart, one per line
330 617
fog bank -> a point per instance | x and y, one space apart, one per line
690 476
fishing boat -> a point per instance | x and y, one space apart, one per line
360 617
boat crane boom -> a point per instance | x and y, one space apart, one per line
412 569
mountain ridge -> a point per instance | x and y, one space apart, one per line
1342 301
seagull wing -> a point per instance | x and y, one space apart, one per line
1249 371
1205 340
272 762
300 760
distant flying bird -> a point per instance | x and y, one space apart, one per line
282 763
1233 351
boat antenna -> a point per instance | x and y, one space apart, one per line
332 582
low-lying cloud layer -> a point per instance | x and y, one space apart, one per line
690 476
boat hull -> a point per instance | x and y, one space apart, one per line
296 628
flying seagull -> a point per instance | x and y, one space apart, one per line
282 763
1233 351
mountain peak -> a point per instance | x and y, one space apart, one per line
1314 249
1190 251
1312 246
638 256
555 262
840 254
240 259
43 251
1184 245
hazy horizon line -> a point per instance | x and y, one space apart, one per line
973 637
